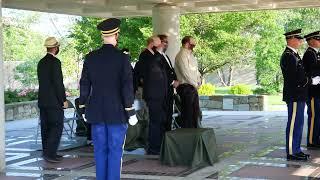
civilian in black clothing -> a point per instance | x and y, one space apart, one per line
171 80
51 100
155 93
144 57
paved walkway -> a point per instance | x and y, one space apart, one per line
250 144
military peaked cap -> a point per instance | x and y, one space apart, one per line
109 26
293 34
313 35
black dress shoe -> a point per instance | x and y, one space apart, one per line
303 154
297 157
52 160
313 146
59 157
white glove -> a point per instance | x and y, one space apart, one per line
133 120
84 117
315 80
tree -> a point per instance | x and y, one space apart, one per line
223 39
20 43
26 72
268 50
271 42
133 34
24 45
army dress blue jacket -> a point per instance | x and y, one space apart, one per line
106 85
296 82
311 63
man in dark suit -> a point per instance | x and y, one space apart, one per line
311 62
171 80
51 100
295 90
155 92
107 79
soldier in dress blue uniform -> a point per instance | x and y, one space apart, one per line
107 79
295 91
311 62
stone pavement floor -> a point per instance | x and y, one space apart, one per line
251 145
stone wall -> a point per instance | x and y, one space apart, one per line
21 110
29 109
25 110
233 103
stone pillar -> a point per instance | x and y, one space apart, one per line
2 121
166 20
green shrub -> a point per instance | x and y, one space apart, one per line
207 89
11 96
72 92
241 89
265 91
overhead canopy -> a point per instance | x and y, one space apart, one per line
130 8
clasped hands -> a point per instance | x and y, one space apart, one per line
315 80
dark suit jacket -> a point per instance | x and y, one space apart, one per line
107 79
51 89
296 82
168 69
155 86
311 62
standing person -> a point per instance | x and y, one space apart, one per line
139 70
295 90
171 81
155 93
186 68
146 55
311 62
107 79
51 100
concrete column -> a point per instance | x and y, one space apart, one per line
166 20
2 122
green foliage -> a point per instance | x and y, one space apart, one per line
266 91
206 89
26 73
72 92
222 38
19 42
69 60
20 95
241 89
11 96
133 34
86 35
268 52
271 43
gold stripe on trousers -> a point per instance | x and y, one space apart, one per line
312 122
293 119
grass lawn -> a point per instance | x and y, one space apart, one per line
272 99
275 100
222 90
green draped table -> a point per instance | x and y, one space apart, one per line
189 147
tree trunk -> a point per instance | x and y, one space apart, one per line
230 75
222 78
